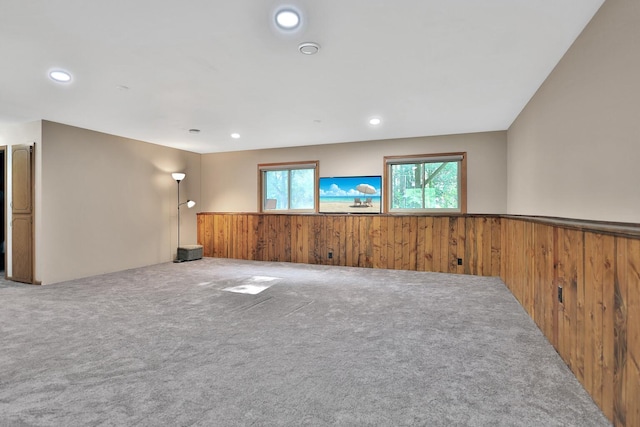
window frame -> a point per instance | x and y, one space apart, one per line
426 158
287 166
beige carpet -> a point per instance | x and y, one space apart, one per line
237 343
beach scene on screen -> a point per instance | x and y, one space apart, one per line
352 194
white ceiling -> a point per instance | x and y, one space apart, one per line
426 67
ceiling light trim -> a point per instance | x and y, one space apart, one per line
287 19
60 76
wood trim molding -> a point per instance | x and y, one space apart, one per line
618 229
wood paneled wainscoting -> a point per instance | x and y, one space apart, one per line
595 328
423 243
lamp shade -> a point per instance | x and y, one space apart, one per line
178 176
190 204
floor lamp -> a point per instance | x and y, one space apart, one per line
179 176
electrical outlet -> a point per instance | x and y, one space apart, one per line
459 261
330 254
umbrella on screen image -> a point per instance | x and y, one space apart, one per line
366 189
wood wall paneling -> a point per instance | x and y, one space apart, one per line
421 243
570 275
595 329
496 249
632 359
590 328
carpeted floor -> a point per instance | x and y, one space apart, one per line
168 345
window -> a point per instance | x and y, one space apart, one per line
288 187
426 183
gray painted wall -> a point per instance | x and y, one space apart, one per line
109 203
230 180
574 150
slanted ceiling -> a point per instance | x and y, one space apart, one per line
153 69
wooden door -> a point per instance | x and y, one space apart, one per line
22 213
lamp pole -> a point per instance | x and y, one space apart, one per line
178 247
178 176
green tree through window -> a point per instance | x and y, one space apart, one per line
425 183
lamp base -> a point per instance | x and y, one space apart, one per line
189 253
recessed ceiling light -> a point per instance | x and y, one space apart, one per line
60 76
309 48
375 121
235 135
194 130
287 19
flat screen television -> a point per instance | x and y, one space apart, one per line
351 194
